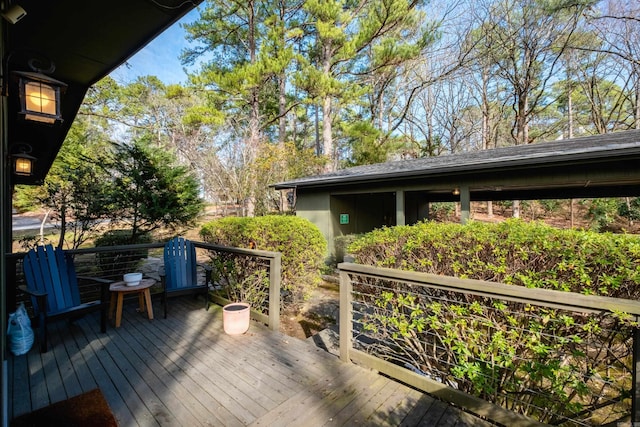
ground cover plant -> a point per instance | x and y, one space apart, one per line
555 365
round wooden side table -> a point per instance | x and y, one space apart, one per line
120 289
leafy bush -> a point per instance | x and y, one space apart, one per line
241 278
302 246
115 264
443 210
341 243
547 363
601 212
629 209
514 252
550 205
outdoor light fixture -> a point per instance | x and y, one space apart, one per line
456 191
40 97
14 13
23 162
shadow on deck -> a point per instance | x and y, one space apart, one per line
184 371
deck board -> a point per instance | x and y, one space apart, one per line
184 371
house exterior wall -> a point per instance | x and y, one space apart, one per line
5 247
315 207
405 198
343 214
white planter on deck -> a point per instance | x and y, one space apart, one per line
236 317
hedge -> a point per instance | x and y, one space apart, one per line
298 240
548 364
515 252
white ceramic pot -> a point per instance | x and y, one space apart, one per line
132 279
236 318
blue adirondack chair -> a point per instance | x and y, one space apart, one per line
181 271
53 286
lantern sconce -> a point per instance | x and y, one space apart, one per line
39 97
456 191
22 161
14 13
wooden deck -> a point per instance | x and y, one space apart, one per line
184 371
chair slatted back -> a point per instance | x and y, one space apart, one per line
52 271
180 264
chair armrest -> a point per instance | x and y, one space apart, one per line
32 293
39 308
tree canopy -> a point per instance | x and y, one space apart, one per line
281 89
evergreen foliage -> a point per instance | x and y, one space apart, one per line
75 189
148 191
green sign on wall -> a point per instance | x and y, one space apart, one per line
344 219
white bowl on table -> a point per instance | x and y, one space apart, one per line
132 279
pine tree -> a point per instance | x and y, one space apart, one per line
354 40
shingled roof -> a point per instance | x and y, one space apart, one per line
577 151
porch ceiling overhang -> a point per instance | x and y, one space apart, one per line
86 40
594 166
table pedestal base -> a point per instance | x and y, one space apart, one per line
119 290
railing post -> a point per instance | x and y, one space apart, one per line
275 274
635 381
346 314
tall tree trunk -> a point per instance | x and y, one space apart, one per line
572 210
327 138
522 132
317 130
254 118
485 124
570 112
282 108
522 137
570 135
254 123
637 98
282 87
327 118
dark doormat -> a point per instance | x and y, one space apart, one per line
88 409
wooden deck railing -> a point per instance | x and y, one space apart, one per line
515 355
269 315
112 261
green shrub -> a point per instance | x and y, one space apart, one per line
550 205
629 208
115 264
443 210
601 212
341 243
514 252
547 363
299 241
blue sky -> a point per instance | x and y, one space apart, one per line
160 57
